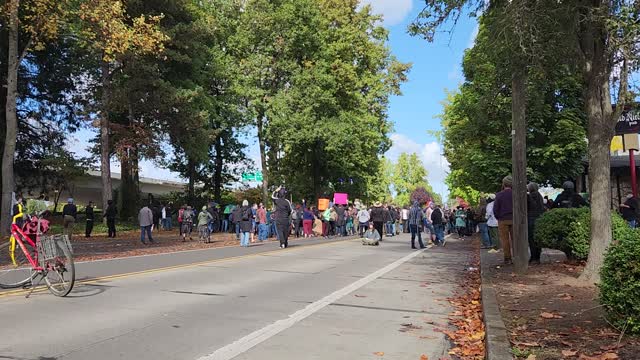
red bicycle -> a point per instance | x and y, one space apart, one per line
41 257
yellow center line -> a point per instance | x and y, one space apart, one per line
168 268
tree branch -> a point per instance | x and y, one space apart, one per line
623 90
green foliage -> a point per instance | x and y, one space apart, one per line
620 283
569 230
578 238
553 229
477 120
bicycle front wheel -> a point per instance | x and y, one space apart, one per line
15 268
60 272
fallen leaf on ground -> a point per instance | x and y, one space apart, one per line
531 357
609 356
547 315
361 296
379 353
569 353
424 357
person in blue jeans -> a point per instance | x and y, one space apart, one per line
145 217
438 222
415 225
245 220
482 225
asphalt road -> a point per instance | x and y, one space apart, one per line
315 300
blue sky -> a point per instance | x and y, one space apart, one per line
436 67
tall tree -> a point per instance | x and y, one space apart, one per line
39 21
597 37
110 33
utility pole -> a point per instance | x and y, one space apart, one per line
520 241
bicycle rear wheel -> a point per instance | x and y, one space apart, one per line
60 273
15 268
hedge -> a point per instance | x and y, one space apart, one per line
620 283
568 230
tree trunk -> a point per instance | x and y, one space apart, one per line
191 187
8 155
217 176
597 62
105 153
263 159
519 164
600 131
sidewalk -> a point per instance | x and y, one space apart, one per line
400 315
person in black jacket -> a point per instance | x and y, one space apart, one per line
69 217
438 220
90 217
569 198
378 217
282 216
110 214
535 208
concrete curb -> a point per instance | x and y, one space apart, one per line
497 342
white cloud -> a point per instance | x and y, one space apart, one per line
430 154
394 11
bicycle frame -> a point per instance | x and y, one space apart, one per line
18 235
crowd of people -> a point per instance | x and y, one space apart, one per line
257 223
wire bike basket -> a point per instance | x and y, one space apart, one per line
50 247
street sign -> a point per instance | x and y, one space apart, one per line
252 176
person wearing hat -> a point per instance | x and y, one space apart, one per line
282 216
503 211
569 198
378 217
69 216
203 225
492 223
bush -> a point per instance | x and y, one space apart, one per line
620 283
553 229
578 238
569 230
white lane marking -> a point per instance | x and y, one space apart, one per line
242 345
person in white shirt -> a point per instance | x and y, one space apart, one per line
492 223
405 219
363 220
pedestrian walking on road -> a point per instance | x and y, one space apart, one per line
461 223
263 228
69 216
378 217
307 222
204 217
187 223
90 217
438 221
363 220
503 211
282 216
110 214
245 223
145 217
415 225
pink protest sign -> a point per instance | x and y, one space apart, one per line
341 198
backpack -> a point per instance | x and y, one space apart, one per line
245 214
